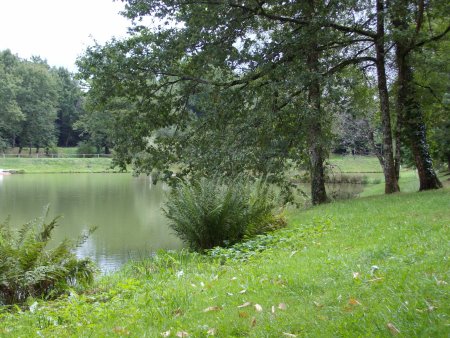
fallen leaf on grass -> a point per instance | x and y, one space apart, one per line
253 322
211 332
282 306
273 309
182 334
166 333
289 335
394 331
243 314
356 275
121 330
318 304
212 308
244 305
177 313
242 291
258 308
353 301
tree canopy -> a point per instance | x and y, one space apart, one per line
230 87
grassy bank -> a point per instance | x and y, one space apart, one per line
374 266
57 165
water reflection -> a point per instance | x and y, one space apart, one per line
126 210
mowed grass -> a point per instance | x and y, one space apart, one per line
57 165
369 267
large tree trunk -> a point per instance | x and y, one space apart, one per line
414 126
398 145
390 177
409 108
315 135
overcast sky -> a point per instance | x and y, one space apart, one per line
58 30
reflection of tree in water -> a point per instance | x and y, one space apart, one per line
148 201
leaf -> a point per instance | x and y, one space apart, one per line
282 306
289 335
244 305
394 331
121 331
212 308
211 332
258 308
182 334
253 322
242 291
243 314
165 334
353 301
273 309
178 312
356 275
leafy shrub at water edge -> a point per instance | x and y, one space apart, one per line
209 212
29 269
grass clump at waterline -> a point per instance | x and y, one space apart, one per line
373 266
57 165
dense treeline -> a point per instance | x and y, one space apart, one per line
38 104
259 86
42 107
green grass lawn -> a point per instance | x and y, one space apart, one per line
372 267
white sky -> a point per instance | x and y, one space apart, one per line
58 30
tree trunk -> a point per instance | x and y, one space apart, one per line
398 145
408 106
391 182
315 136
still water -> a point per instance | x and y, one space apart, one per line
126 210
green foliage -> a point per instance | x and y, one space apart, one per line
212 212
28 268
85 147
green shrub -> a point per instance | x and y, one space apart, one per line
29 269
209 212
84 148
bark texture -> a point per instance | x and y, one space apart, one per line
390 177
317 150
409 110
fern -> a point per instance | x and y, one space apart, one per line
209 212
29 269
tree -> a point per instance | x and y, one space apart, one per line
37 98
409 111
10 112
70 107
268 55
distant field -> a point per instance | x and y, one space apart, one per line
54 152
58 165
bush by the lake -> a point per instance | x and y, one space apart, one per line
206 213
28 268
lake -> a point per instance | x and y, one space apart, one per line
126 210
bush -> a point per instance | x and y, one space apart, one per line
209 212
29 269
86 148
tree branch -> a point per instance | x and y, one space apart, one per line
433 38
